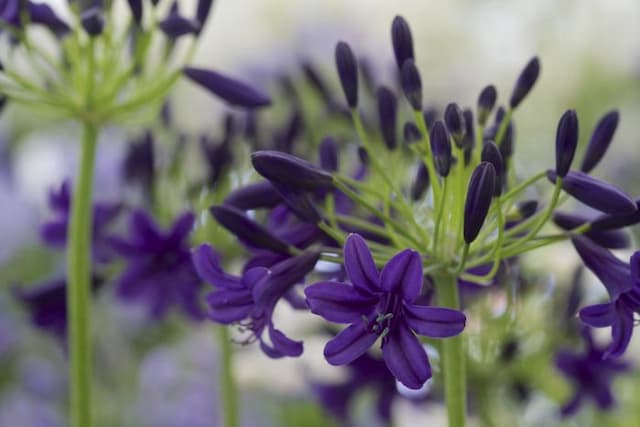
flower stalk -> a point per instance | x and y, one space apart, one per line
227 381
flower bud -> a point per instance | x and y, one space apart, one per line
254 196
175 26
411 84
286 169
420 183
232 91
411 133
430 115
454 119
600 140
525 82
348 72
387 114
136 8
597 194
566 142
93 21
614 222
612 239
202 12
441 148
401 40
491 154
469 139
329 154
486 102
246 230
479 195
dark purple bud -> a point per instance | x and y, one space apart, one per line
329 154
286 169
401 40
299 202
486 102
491 154
469 139
454 119
41 13
420 183
317 82
254 196
246 230
136 8
363 156
525 82
175 26
441 148
614 222
232 91
430 115
93 21
506 148
600 140
566 142
597 194
612 239
411 84
348 72
387 114
411 133
202 12
527 208
479 195
139 163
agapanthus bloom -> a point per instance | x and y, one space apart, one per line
622 281
591 374
250 300
382 304
159 270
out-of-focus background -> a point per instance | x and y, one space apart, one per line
590 57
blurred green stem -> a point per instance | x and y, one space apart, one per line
453 356
79 283
227 381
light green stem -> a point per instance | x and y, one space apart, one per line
453 356
227 381
79 284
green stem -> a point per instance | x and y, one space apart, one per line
453 356
79 284
227 381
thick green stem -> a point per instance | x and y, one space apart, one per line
79 284
227 381
453 356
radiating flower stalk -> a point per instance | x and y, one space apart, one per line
99 72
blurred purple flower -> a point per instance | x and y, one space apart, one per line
159 270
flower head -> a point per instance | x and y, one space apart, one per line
382 305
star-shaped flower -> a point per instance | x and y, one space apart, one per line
382 305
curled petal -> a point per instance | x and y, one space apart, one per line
182 227
598 315
339 302
228 306
359 264
403 275
621 331
207 264
282 277
435 322
405 357
349 344
281 345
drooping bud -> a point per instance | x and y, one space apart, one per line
525 82
597 194
491 154
246 230
286 169
454 119
411 133
348 72
329 154
93 21
614 222
411 84
232 91
486 102
420 183
566 142
387 114
441 148
136 7
600 140
401 40
612 239
254 196
479 195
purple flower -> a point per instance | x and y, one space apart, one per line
591 374
10 12
159 270
250 300
382 304
622 281
54 232
42 13
232 91
176 25
401 40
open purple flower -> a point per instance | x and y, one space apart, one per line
382 304
622 281
250 300
591 374
159 270
54 232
